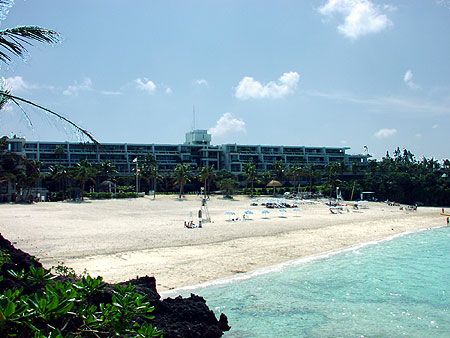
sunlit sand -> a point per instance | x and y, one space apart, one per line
120 239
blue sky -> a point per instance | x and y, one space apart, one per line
326 73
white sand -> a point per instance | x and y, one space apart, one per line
120 239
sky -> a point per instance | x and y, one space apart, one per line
350 73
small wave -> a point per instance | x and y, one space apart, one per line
281 266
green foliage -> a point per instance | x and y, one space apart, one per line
108 195
33 277
126 195
5 257
99 195
182 176
63 270
404 179
63 308
125 188
228 186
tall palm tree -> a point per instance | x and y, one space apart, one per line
149 171
206 174
228 186
296 172
310 173
279 170
182 176
83 172
14 42
250 174
59 174
332 176
106 170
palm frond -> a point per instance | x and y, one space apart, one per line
14 98
15 40
3 98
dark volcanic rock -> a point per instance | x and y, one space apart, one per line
16 260
181 317
177 317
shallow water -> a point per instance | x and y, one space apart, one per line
390 289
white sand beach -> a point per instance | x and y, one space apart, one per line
121 239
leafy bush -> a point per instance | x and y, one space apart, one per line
62 307
108 195
125 188
99 195
126 195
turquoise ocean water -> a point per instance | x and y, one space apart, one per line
390 289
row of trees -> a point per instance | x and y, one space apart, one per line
399 178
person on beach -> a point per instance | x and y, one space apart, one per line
200 218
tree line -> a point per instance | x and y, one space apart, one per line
400 178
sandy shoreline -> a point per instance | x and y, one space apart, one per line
120 239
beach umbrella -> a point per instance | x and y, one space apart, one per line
265 212
282 211
229 213
248 212
273 184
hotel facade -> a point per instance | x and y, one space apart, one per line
197 151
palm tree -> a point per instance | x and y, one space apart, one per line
149 171
13 42
59 174
29 177
250 173
310 173
83 172
206 175
106 170
332 173
279 170
228 186
181 176
296 172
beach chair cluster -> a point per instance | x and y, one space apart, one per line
279 205
248 214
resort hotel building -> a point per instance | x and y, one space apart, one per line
197 151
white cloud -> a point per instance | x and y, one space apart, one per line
361 17
445 3
201 82
227 124
401 104
110 92
418 135
17 84
75 89
408 79
145 85
169 91
249 88
435 126
385 133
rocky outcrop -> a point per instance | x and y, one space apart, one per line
177 317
